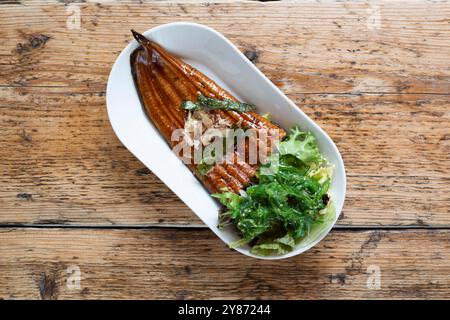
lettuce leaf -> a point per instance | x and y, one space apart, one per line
286 206
302 145
277 246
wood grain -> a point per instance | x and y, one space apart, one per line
172 264
312 47
374 75
63 165
61 162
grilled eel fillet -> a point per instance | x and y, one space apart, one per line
163 82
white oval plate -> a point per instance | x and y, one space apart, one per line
214 55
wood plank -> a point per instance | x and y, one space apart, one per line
61 163
331 47
194 264
68 177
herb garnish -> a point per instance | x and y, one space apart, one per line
208 104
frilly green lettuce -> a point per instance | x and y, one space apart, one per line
288 206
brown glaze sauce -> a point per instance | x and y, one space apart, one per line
163 82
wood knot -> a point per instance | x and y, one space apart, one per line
47 287
338 278
24 196
34 41
143 172
252 54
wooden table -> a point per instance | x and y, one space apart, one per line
80 217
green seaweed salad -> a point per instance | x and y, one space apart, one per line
288 204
